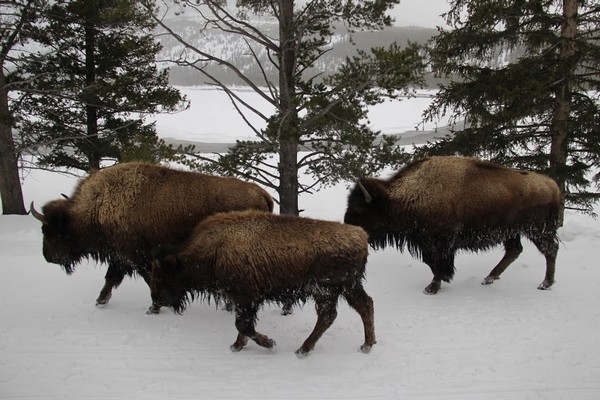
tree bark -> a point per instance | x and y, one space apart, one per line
288 129
10 182
91 107
562 102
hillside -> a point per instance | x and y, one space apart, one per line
234 49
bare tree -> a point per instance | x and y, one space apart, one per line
324 117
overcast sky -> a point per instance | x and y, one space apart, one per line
420 13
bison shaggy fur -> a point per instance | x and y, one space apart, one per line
438 205
249 258
118 214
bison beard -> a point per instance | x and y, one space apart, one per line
439 205
236 257
118 214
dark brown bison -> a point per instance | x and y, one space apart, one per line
249 258
439 205
118 214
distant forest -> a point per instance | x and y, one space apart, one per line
235 50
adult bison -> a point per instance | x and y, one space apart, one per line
248 258
438 205
118 214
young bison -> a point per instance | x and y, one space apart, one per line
439 205
249 258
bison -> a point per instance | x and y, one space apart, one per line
248 258
118 214
438 205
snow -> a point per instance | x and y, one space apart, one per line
501 341
204 121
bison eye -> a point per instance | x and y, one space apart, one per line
52 233
358 209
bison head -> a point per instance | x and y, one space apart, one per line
168 287
368 207
61 242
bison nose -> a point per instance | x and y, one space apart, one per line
48 255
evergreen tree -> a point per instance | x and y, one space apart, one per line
526 79
16 19
324 119
95 79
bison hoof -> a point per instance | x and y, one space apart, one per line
270 344
286 311
236 348
365 348
153 309
432 288
300 353
545 285
489 280
102 300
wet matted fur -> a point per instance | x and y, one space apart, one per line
118 214
249 258
438 205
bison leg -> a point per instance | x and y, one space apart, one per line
245 320
154 308
114 277
548 246
513 249
326 306
239 343
147 276
441 261
359 300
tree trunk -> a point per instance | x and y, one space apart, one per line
562 103
288 129
10 183
91 98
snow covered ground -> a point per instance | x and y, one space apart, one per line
213 119
503 341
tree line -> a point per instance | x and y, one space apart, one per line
78 77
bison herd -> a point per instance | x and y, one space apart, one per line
192 235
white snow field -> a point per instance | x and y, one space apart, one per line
502 341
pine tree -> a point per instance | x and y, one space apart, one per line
526 79
95 80
16 20
322 119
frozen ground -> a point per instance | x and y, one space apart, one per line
504 341
212 120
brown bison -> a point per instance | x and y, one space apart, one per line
118 214
438 205
249 258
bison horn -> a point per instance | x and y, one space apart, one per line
368 197
37 215
65 196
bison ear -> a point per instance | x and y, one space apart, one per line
163 266
162 251
163 258
57 216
